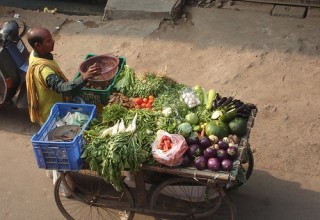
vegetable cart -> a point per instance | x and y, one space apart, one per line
177 192
118 179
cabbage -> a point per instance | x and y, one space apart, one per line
184 129
192 118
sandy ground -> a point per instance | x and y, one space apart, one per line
270 61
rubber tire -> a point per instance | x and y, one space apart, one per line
59 198
221 199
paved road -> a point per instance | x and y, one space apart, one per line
25 190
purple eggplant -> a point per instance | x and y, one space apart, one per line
227 101
200 163
226 165
222 100
213 164
223 145
222 154
210 152
205 142
232 153
193 151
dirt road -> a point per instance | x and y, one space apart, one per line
270 61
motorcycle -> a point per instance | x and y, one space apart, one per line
13 66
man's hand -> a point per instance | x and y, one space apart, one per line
92 71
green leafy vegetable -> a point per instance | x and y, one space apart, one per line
149 84
126 80
112 113
109 157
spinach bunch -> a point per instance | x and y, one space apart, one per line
110 156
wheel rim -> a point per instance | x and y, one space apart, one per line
89 195
247 166
191 197
246 169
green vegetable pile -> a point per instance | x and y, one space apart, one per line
147 84
120 138
111 155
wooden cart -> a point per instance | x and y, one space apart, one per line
162 192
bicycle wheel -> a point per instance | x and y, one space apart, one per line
191 198
90 198
246 168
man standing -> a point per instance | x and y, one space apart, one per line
46 83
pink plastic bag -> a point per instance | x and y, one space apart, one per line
172 156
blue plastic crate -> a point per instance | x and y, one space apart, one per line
62 156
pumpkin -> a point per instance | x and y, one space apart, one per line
217 128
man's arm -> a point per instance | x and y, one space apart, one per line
71 88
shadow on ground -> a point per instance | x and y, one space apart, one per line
267 197
16 120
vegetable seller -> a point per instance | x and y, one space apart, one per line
46 83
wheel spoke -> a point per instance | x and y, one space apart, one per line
90 197
188 196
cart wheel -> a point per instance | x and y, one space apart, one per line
246 167
89 197
189 198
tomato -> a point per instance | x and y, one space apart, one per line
150 101
138 101
143 105
145 100
137 106
151 97
148 105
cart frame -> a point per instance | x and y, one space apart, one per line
145 200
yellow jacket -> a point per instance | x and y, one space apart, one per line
40 97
